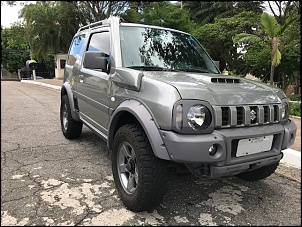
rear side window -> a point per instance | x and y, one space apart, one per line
100 42
74 54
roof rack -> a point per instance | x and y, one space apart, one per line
89 26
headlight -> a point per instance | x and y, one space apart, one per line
193 117
285 111
197 116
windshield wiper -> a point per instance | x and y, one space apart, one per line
149 68
193 70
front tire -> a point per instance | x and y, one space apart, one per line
71 128
258 174
140 177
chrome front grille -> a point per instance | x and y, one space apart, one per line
247 115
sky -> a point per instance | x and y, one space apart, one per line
9 14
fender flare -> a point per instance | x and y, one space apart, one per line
67 89
141 113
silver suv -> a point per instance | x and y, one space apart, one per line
156 97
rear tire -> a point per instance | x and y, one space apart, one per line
258 174
140 177
71 128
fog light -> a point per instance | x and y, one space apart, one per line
213 149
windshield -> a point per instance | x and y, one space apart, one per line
158 49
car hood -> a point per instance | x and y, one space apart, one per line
219 89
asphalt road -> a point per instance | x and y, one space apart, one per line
49 180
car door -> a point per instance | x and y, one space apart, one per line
94 87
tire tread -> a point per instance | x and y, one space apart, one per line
154 171
74 128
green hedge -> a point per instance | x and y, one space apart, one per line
296 97
295 109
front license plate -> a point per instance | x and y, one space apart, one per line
254 145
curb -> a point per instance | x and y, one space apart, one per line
292 116
10 79
291 158
42 84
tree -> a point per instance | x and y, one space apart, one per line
289 71
99 10
69 21
256 61
166 14
283 10
134 13
51 27
14 46
273 31
217 38
42 26
206 12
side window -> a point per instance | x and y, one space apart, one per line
75 49
100 42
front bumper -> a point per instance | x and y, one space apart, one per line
193 150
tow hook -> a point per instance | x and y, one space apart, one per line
254 165
202 171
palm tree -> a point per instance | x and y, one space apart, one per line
51 26
273 32
42 26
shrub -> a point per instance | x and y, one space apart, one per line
296 97
295 109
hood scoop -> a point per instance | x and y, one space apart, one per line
221 80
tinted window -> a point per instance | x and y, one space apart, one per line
99 42
75 50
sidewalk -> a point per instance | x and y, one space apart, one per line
290 163
52 83
297 144
56 82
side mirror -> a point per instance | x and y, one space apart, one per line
96 60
